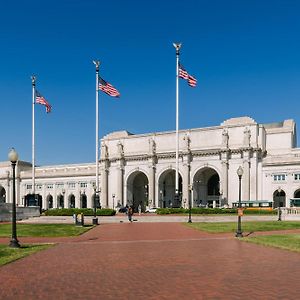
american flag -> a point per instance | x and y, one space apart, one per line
108 88
41 100
192 81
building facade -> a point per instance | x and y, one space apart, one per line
140 169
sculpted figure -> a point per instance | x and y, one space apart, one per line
225 138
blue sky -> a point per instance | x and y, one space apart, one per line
245 55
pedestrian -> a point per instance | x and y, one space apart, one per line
130 213
140 209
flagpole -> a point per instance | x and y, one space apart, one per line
33 80
95 219
177 47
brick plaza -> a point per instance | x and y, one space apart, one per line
151 261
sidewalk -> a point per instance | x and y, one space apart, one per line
143 260
149 218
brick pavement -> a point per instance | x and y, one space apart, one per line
153 261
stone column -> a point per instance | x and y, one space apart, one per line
185 185
120 184
186 180
104 187
246 177
152 170
152 186
224 182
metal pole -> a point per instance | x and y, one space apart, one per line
95 219
177 47
33 80
14 243
239 232
190 206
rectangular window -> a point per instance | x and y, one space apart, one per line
38 187
71 185
28 186
297 176
279 177
49 186
59 185
83 184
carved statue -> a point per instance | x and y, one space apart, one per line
104 150
247 136
120 149
152 146
187 142
225 138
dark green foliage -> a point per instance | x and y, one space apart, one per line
214 211
84 211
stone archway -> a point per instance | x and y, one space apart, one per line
49 200
60 201
206 188
297 194
2 195
279 198
71 201
137 191
166 184
83 201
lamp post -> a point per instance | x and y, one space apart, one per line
279 209
13 157
96 198
113 196
161 198
239 232
190 203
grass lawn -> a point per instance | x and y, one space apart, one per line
43 230
8 254
250 226
283 241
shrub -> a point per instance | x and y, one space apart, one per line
215 211
84 211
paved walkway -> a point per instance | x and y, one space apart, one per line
153 261
150 218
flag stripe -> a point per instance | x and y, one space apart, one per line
192 81
107 88
41 100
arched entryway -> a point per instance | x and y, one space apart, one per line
60 201
279 198
71 201
98 201
297 194
137 191
206 188
2 194
50 201
33 200
295 202
166 184
83 201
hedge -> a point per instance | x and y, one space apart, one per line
84 211
209 211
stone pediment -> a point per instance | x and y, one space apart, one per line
238 121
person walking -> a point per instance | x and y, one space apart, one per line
140 209
130 213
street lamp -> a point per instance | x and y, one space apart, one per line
161 198
239 232
13 157
113 196
190 203
279 209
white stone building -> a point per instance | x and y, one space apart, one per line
140 169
